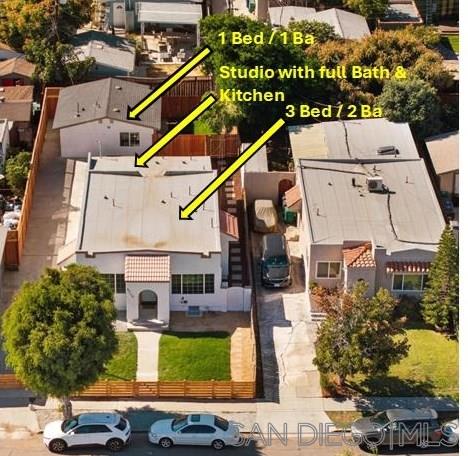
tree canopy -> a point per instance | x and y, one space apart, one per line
276 55
368 8
41 29
413 101
16 172
440 299
58 332
358 335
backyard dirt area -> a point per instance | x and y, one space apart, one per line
235 323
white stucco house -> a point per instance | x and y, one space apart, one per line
92 119
128 227
368 209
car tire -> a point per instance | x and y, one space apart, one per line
218 444
165 442
57 446
114 445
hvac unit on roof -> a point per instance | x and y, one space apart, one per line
375 184
387 150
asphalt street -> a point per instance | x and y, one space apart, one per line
140 447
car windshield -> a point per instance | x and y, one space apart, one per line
380 418
121 425
67 425
221 423
277 261
179 423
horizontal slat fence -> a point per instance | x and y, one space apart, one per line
133 389
219 146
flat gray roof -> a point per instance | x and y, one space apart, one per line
351 139
105 98
347 25
407 216
109 50
404 11
169 12
127 209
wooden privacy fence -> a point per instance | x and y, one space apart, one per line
218 146
17 238
133 389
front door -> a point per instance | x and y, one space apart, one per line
148 305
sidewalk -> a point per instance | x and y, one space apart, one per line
148 355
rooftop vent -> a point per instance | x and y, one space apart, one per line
387 150
2 99
116 110
118 87
2 89
375 184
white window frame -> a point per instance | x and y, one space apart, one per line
328 275
129 135
402 290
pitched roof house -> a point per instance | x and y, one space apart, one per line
347 25
16 71
128 227
369 210
114 55
92 118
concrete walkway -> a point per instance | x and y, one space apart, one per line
148 355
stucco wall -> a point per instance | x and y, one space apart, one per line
162 290
262 185
352 275
320 252
181 263
79 140
447 183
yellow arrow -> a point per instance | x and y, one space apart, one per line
186 212
134 112
141 160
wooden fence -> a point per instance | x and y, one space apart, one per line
133 389
17 238
218 146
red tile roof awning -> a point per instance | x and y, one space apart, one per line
229 224
156 268
359 256
408 266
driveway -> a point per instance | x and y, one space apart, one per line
287 337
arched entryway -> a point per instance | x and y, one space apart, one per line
148 305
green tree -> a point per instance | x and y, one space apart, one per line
412 101
58 332
358 335
368 8
321 31
256 115
16 172
440 298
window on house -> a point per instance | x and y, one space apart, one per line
209 283
129 139
328 269
409 282
120 283
192 283
116 282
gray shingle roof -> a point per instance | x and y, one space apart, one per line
104 99
109 50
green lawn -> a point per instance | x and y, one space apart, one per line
430 369
202 128
452 41
194 356
124 363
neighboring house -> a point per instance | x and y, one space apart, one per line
369 210
347 25
92 118
400 13
443 150
114 56
155 15
16 71
4 141
129 229
438 9
7 52
16 107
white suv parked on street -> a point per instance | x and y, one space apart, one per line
207 430
88 429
